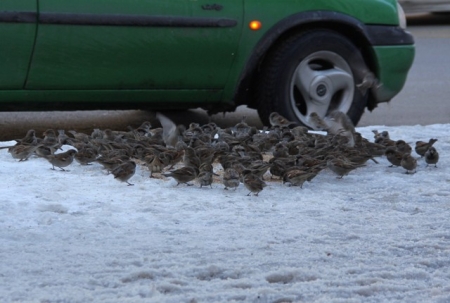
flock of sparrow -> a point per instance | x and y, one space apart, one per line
288 152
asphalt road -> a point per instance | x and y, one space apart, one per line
424 99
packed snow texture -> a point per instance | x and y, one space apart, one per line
376 235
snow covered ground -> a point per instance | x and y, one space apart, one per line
376 235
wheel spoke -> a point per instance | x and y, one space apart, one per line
303 78
319 108
339 78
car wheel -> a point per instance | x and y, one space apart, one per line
314 71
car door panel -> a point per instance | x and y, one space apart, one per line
135 44
17 33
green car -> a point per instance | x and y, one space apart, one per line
294 57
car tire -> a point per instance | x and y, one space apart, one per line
312 71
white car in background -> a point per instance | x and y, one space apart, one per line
425 6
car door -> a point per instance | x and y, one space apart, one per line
134 44
17 34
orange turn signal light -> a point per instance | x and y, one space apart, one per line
255 25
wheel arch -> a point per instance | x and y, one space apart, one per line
350 27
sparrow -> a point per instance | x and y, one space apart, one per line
383 135
111 136
62 137
300 132
342 166
242 129
403 147
43 151
231 178
340 124
317 122
276 119
253 183
432 156
22 152
110 163
369 81
296 176
183 175
86 155
279 165
190 158
210 128
171 131
82 137
174 155
385 141
205 178
207 166
393 156
358 156
374 149
124 171
409 163
221 146
62 159
281 150
259 168
144 129
287 136
50 140
29 139
422 147
154 163
205 154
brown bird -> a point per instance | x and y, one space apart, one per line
338 122
432 156
190 158
171 132
403 147
369 82
409 163
341 166
276 119
124 171
296 176
62 159
111 162
43 151
335 123
86 155
383 134
22 152
231 178
50 140
253 183
393 156
29 139
281 150
82 137
205 178
317 122
422 147
183 175
259 168
154 163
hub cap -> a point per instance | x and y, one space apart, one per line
321 83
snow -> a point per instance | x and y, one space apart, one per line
376 235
